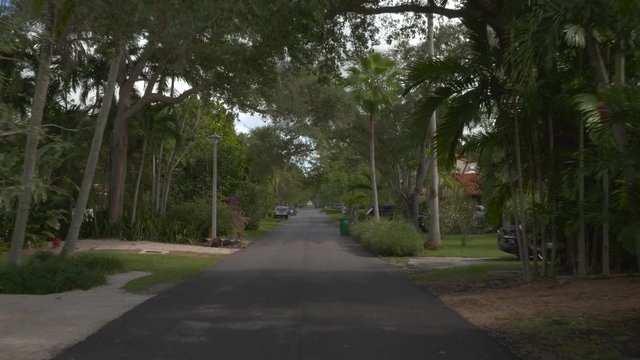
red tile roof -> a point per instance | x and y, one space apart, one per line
470 181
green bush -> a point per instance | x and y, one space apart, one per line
388 237
46 273
187 222
102 263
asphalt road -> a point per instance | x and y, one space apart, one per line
299 292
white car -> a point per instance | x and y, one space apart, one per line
281 211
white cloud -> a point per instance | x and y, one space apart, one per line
246 122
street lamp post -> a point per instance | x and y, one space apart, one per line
214 186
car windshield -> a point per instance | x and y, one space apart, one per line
281 208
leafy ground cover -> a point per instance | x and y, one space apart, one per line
47 273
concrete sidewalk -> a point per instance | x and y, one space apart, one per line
36 327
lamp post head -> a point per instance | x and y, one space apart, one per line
215 138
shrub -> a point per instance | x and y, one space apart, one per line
46 273
187 222
388 237
102 263
255 201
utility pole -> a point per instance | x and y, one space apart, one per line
215 138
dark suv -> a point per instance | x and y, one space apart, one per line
386 211
508 242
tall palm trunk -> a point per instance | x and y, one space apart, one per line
118 173
552 199
522 219
164 194
33 137
582 241
372 165
435 240
92 159
136 191
421 175
539 192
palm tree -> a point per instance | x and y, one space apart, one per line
43 77
471 89
94 153
374 86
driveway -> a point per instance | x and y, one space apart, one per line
299 292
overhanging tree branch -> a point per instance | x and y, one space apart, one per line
403 8
173 99
154 97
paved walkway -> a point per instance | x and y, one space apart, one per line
299 292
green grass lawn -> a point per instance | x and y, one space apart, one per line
462 273
477 246
165 269
266 225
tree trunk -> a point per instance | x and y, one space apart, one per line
33 137
92 160
435 240
552 199
136 191
159 180
522 219
421 175
582 241
119 150
154 173
372 164
606 265
164 196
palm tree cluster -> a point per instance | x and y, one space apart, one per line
545 99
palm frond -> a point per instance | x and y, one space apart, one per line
459 111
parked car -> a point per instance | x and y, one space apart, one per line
291 211
281 212
386 211
508 242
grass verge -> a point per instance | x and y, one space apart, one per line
166 270
266 225
47 273
463 274
476 246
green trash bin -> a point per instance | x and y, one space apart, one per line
344 225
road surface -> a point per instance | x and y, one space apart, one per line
299 292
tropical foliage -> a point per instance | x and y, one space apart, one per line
542 94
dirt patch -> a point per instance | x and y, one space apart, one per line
552 319
556 299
